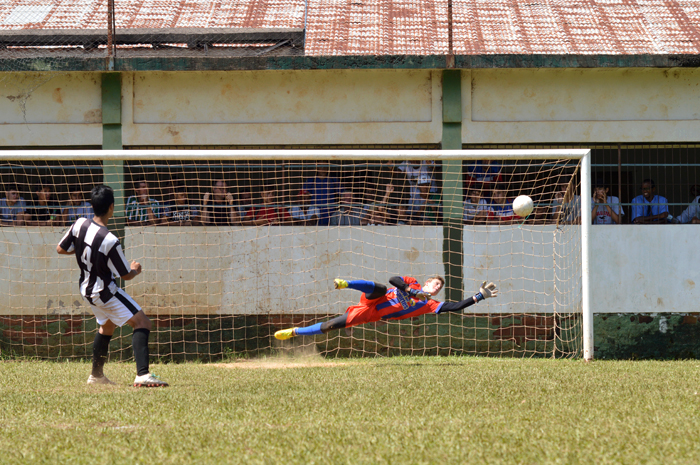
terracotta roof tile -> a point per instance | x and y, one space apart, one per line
404 27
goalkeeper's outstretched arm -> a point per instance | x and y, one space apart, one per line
485 292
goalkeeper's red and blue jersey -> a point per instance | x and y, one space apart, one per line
394 305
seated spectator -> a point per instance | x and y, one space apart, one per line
303 213
375 213
77 207
180 211
43 211
141 209
393 181
268 213
649 208
424 207
218 207
501 207
476 208
348 213
606 208
245 202
415 170
13 208
324 192
691 215
484 172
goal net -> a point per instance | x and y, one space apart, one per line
236 245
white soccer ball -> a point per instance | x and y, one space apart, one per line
522 206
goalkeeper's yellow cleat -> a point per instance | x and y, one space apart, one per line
284 334
340 283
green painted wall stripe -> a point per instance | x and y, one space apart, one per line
452 248
113 170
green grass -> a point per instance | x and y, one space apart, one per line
391 410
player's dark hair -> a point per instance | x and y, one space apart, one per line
101 198
650 181
439 278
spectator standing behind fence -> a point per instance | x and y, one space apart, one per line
43 211
476 208
303 213
324 192
486 173
501 206
649 208
416 170
606 208
390 178
218 206
567 206
141 209
348 213
179 211
424 208
268 213
77 206
691 215
13 208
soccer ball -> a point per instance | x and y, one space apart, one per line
522 206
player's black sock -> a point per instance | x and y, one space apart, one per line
139 341
100 349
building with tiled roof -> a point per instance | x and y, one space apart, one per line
619 76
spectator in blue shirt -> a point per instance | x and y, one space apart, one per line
13 208
77 207
324 192
649 208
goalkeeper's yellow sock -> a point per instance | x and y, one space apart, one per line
284 334
340 283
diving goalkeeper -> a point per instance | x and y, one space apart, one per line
405 300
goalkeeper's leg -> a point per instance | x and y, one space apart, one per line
338 322
371 289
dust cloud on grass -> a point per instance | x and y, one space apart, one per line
291 354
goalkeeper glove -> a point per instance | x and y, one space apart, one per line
486 291
418 294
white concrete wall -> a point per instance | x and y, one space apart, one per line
516 106
50 109
262 270
282 107
355 107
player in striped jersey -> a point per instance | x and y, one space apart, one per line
405 300
100 259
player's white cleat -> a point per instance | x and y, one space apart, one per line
284 334
149 380
340 283
101 380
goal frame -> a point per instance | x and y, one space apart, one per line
584 155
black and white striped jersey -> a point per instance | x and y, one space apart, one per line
100 258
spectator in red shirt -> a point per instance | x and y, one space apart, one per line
269 213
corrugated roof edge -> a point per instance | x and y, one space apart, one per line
347 62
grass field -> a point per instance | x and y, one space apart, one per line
387 410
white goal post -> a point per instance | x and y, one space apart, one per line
376 249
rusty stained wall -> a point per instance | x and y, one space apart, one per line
289 270
50 109
580 105
282 107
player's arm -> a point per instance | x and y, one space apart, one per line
66 247
485 292
119 266
399 283
133 272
